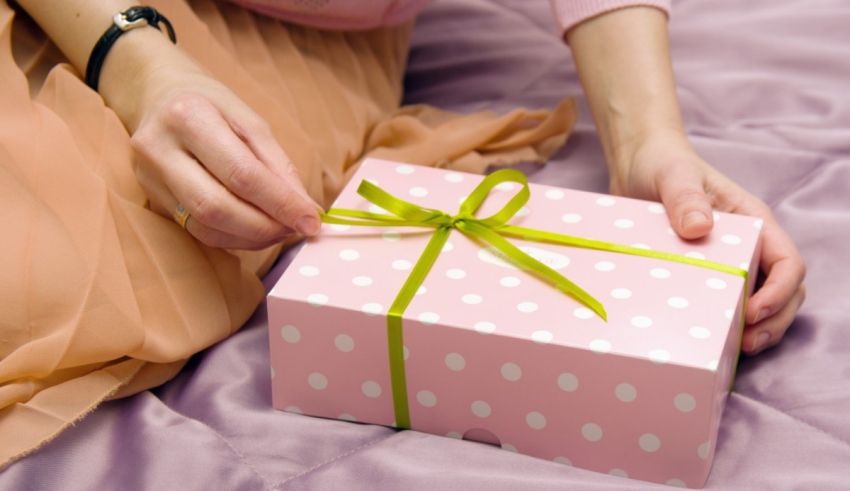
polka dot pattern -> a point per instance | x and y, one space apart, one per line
486 328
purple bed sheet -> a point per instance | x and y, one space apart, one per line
765 88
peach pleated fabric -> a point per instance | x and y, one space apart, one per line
102 298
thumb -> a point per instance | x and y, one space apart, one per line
688 207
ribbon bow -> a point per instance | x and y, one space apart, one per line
491 230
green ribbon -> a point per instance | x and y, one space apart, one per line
491 230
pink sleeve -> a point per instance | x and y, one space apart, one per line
569 13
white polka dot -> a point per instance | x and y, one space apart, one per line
641 245
591 432
293 410
405 352
604 266
371 389
659 273
347 417
405 169
471 299
625 392
524 211
421 290
712 365
715 216
402 264
308 271
511 371
509 281
448 247
456 273
480 409
685 402
527 307
484 327
605 201
758 224
349 255
429 317
568 382
624 223
554 194
372 308
600 346
426 398
730 239
702 450
541 336
418 192
509 447
699 332
729 313
677 302
455 435
290 334
377 209
317 299
453 177
715 283
391 236
649 442
655 208
373 181
571 218
344 343
641 321
462 199
583 313
340 227
659 356
695 255
317 381
621 293
504 186
361 280
455 362
744 266
672 232
535 420
676 482
562 460
618 472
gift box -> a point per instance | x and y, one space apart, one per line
602 341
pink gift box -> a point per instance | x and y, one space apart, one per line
494 354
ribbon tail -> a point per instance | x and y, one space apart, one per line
395 337
533 266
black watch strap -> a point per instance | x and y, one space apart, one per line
122 22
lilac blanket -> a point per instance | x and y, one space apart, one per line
765 86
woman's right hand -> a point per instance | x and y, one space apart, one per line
202 147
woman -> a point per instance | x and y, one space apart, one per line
103 295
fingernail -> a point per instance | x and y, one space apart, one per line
307 225
761 341
760 316
694 218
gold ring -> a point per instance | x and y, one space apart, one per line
181 215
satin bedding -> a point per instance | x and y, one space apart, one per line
765 88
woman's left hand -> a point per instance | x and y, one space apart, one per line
667 169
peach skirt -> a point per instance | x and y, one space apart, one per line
99 296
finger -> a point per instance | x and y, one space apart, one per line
209 202
770 331
164 203
784 270
213 142
688 206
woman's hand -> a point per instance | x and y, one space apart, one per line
201 147
665 168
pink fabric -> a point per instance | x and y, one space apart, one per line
367 14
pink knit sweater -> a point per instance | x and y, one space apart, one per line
366 14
